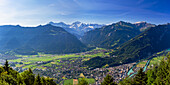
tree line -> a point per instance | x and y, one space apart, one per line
8 76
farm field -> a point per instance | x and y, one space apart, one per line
59 67
31 61
156 60
160 55
141 64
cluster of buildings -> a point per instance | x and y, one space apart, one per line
71 68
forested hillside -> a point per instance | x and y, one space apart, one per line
142 46
151 41
12 77
158 75
114 35
46 39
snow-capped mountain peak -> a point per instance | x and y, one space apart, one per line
140 22
78 26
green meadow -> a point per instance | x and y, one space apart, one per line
30 61
156 60
70 81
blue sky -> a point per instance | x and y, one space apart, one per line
35 12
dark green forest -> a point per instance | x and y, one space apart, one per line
151 41
45 39
113 35
8 76
158 75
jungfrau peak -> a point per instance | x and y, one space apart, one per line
77 27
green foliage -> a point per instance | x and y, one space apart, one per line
6 66
89 80
126 81
8 76
140 78
83 82
28 77
98 62
43 81
38 80
9 79
108 80
151 75
158 75
2 69
68 82
49 81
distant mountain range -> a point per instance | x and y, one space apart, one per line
130 41
77 28
153 40
111 36
58 38
46 39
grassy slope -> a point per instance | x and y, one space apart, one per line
89 80
70 81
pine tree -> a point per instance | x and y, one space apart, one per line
168 68
6 66
162 73
126 81
43 81
30 71
140 78
19 79
151 75
1 70
108 80
83 82
37 80
28 77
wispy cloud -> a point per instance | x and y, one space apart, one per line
3 2
34 12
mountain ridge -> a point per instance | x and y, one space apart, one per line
153 40
113 35
46 38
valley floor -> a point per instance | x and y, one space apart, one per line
70 66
